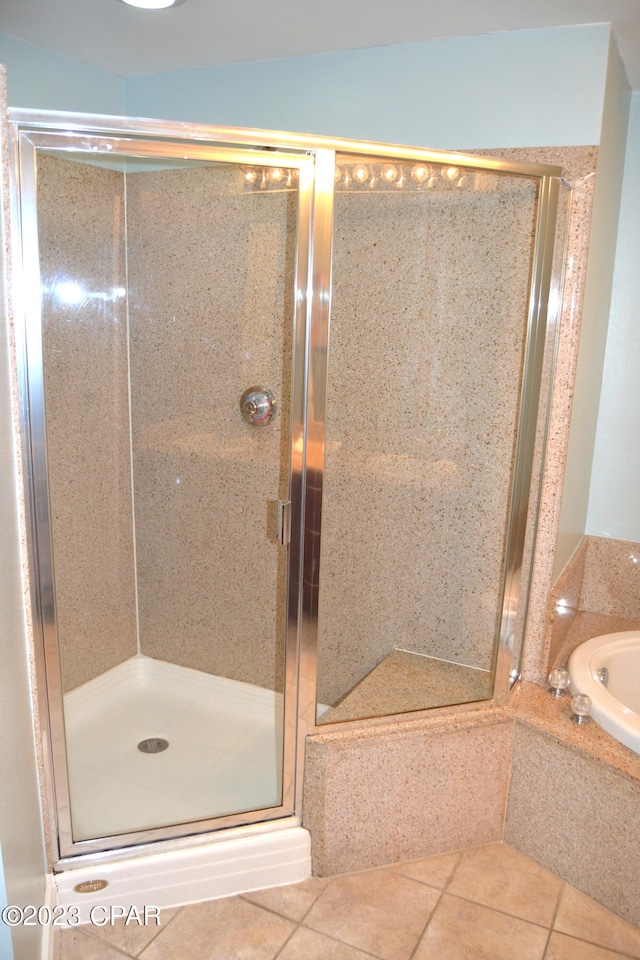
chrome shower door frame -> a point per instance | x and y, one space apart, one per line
540 347
315 159
31 132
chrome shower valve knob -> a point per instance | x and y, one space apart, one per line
258 406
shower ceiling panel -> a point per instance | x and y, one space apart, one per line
390 304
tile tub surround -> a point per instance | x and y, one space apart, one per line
564 603
482 901
597 593
533 705
406 789
611 582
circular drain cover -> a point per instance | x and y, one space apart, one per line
153 745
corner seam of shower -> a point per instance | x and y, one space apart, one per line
134 536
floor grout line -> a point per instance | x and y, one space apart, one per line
503 913
426 926
163 928
89 929
591 943
555 914
92 937
443 890
346 943
296 926
302 922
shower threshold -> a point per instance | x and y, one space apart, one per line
224 751
404 681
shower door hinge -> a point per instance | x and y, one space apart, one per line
283 521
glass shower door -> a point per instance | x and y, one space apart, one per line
163 368
195 431
428 440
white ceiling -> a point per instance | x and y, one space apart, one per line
202 33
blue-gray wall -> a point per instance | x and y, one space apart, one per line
6 948
595 315
531 87
21 835
614 500
50 81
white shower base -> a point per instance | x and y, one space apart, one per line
224 754
234 861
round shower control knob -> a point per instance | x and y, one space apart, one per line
258 406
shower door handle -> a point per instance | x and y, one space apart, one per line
283 521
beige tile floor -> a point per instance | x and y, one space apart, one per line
482 903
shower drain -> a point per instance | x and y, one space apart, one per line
153 745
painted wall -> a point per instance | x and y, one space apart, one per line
614 500
469 90
6 949
526 88
20 818
595 318
37 78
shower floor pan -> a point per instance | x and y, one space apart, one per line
224 751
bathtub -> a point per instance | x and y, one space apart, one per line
616 699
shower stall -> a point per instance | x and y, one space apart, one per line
284 403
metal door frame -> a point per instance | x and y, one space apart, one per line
315 159
28 138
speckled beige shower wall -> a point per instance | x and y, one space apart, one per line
429 313
81 228
598 593
579 166
204 480
589 837
210 271
611 581
211 279
406 790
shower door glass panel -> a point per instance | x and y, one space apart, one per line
168 290
429 314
